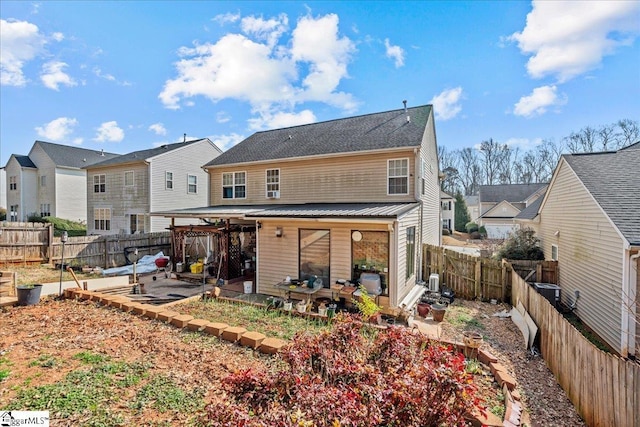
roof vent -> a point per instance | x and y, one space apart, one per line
102 152
84 160
405 105
408 119
184 138
290 137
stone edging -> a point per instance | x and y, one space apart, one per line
515 414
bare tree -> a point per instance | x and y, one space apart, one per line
608 137
629 132
470 172
583 141
492 154
449 167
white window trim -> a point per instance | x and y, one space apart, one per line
406 176
233 185
166 180
133 178
99 184
104 210
188 184
267 183
553 245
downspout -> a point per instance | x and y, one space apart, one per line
633 309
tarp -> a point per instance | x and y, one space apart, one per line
146 264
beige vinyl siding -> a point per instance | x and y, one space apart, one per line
278 256
431 217
122 200
355 178
590 253
502 210
184 161
404 284
637 316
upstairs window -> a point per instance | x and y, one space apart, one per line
168 180
128 179
45 209
192 184
43 181
398 173
273 183
234 185
13 183
100 183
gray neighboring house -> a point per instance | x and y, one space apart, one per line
448 206
499 205
472 207
122 191
589 222
50 181
3 188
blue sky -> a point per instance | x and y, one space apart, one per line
125 76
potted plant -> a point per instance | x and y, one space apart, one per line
28 294
287 305
423 309
322 309
368 307
301 306
438 310
331 310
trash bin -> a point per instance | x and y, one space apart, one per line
248 287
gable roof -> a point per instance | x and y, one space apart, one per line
613 180
24 161
377 131
142 155
73 157
512 193
493 211
531 211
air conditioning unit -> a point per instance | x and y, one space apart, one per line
550 291
434 282
273 194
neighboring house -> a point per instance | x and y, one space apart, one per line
472 208
50 181
121 192
499 205
590 223
333 199
3 188
448 206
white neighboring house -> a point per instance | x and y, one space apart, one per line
3 188
472 208
50 181
448 207
500 205
121 192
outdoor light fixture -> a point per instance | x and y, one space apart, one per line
278 231
63 239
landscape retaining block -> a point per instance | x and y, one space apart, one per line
215 328
252 339
166 315
233 334
197 324
271 345
181 320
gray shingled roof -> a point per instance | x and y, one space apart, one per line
73 157
24 161
512 193
614 181
311 210
376 131
531 211
142 155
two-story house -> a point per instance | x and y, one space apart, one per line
333 199
448 205
122 191
499 206
50 181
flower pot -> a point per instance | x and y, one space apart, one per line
301 308
288 305
438 312
331 310
472 341
29 295
423 309
322 311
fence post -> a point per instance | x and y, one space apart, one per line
478 278
106 252
504 280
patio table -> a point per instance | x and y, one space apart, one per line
288 288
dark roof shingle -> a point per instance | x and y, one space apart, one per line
73 157
141 155
377 131
512 193
24 161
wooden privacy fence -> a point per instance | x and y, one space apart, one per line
33 243
536 271
604 388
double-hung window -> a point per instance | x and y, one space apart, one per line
45 209
411 251
128 178
273 183
43 181
234 185
168 180
102 219
100 183
13 183
192 184
398 176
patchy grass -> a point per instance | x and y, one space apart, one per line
46 274
273 323
463 317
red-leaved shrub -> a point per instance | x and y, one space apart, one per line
352 376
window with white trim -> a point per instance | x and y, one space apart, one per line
273 183
45 209
168 180
234 185
398 176
13 213
100 183
128 178
136 223
13 183
411 251
102 219
554 252
192 184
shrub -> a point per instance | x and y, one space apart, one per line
73 228
3 214
523 244
346 377
482 231
471 227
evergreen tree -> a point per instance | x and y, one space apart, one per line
461 214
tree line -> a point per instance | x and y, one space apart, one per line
492 162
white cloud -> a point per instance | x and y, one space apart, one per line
20 42
57 130
394 52
524 144
98 72
537 103
109 132
226 17
446 104
158 128
270 74
225 142
279 119
222 117
57 37
52 75
568 38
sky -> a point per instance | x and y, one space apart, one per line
126 76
